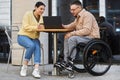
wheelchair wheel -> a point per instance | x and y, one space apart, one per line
78 62
97 57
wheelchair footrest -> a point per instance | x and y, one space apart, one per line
71 75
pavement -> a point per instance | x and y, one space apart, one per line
13 74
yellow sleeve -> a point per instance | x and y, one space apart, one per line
27 23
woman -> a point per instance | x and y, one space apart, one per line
28 37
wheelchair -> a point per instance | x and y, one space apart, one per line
94 57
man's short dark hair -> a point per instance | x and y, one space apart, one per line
77 2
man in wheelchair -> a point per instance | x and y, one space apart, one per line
84 28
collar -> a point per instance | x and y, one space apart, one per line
80 13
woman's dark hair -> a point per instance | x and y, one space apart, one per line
39 4
77 2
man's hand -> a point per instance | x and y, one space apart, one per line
67 35
63 26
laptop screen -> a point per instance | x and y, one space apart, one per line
52 22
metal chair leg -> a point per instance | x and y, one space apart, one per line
32 60
22 58
10 53
43 65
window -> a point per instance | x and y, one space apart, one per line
113 12
92 6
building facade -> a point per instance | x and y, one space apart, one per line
5 12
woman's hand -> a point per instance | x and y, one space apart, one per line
41 26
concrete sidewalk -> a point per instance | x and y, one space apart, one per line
13 74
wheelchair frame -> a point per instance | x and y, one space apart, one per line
96 57
96 53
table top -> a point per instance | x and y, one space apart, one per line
54 30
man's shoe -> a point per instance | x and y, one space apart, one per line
69 68
36 73
68 65
64 64
23 71
57 65
71 63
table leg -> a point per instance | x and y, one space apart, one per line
55 72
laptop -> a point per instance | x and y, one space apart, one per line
52 22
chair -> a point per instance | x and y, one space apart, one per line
14 44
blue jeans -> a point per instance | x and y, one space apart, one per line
31 46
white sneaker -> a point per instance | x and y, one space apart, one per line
23 71
36 73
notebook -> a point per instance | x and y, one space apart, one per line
52 22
